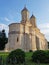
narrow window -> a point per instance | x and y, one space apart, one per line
17 39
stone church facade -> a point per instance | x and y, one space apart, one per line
26 35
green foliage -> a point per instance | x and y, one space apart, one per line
27 58
47 56
16 56
39 56
28 55
3 39
0 60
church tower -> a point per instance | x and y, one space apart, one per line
33 20
26 35
25 15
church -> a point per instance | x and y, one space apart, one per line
26 35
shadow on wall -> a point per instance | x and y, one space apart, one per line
37 43
26 42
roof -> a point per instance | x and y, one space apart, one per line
25 9
13 24
32 16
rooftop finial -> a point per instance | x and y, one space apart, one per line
25 8
32 16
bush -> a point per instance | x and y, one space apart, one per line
16 56
47 56
39 56
1 60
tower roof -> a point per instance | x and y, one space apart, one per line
32 16
25 9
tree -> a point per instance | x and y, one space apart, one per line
3 39
48 44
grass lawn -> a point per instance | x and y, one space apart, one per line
28 58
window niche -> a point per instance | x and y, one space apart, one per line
17 39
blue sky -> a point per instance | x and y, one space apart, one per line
10 11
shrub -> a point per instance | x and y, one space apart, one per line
39 56
1 60
47 56
16 56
